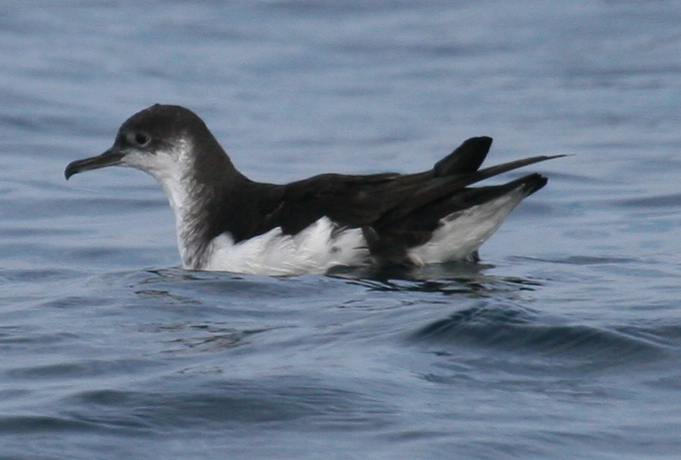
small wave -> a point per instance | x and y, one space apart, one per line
234 285
449 279
581 260
646 203
40 424
443 271
223 405
515 330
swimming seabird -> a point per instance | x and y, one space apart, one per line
227 222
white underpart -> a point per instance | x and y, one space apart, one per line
316 249
171 169
463 232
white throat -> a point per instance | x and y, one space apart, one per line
173 169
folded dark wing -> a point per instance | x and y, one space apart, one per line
399 210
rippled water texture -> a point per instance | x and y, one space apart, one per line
564 342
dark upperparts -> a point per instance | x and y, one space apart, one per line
396 211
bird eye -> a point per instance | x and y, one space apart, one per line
141 139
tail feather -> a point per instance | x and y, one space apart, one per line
397 241
466 159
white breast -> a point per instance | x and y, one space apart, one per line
316 249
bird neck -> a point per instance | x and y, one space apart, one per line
193 194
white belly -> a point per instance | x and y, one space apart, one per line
316 249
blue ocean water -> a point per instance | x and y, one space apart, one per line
565 342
